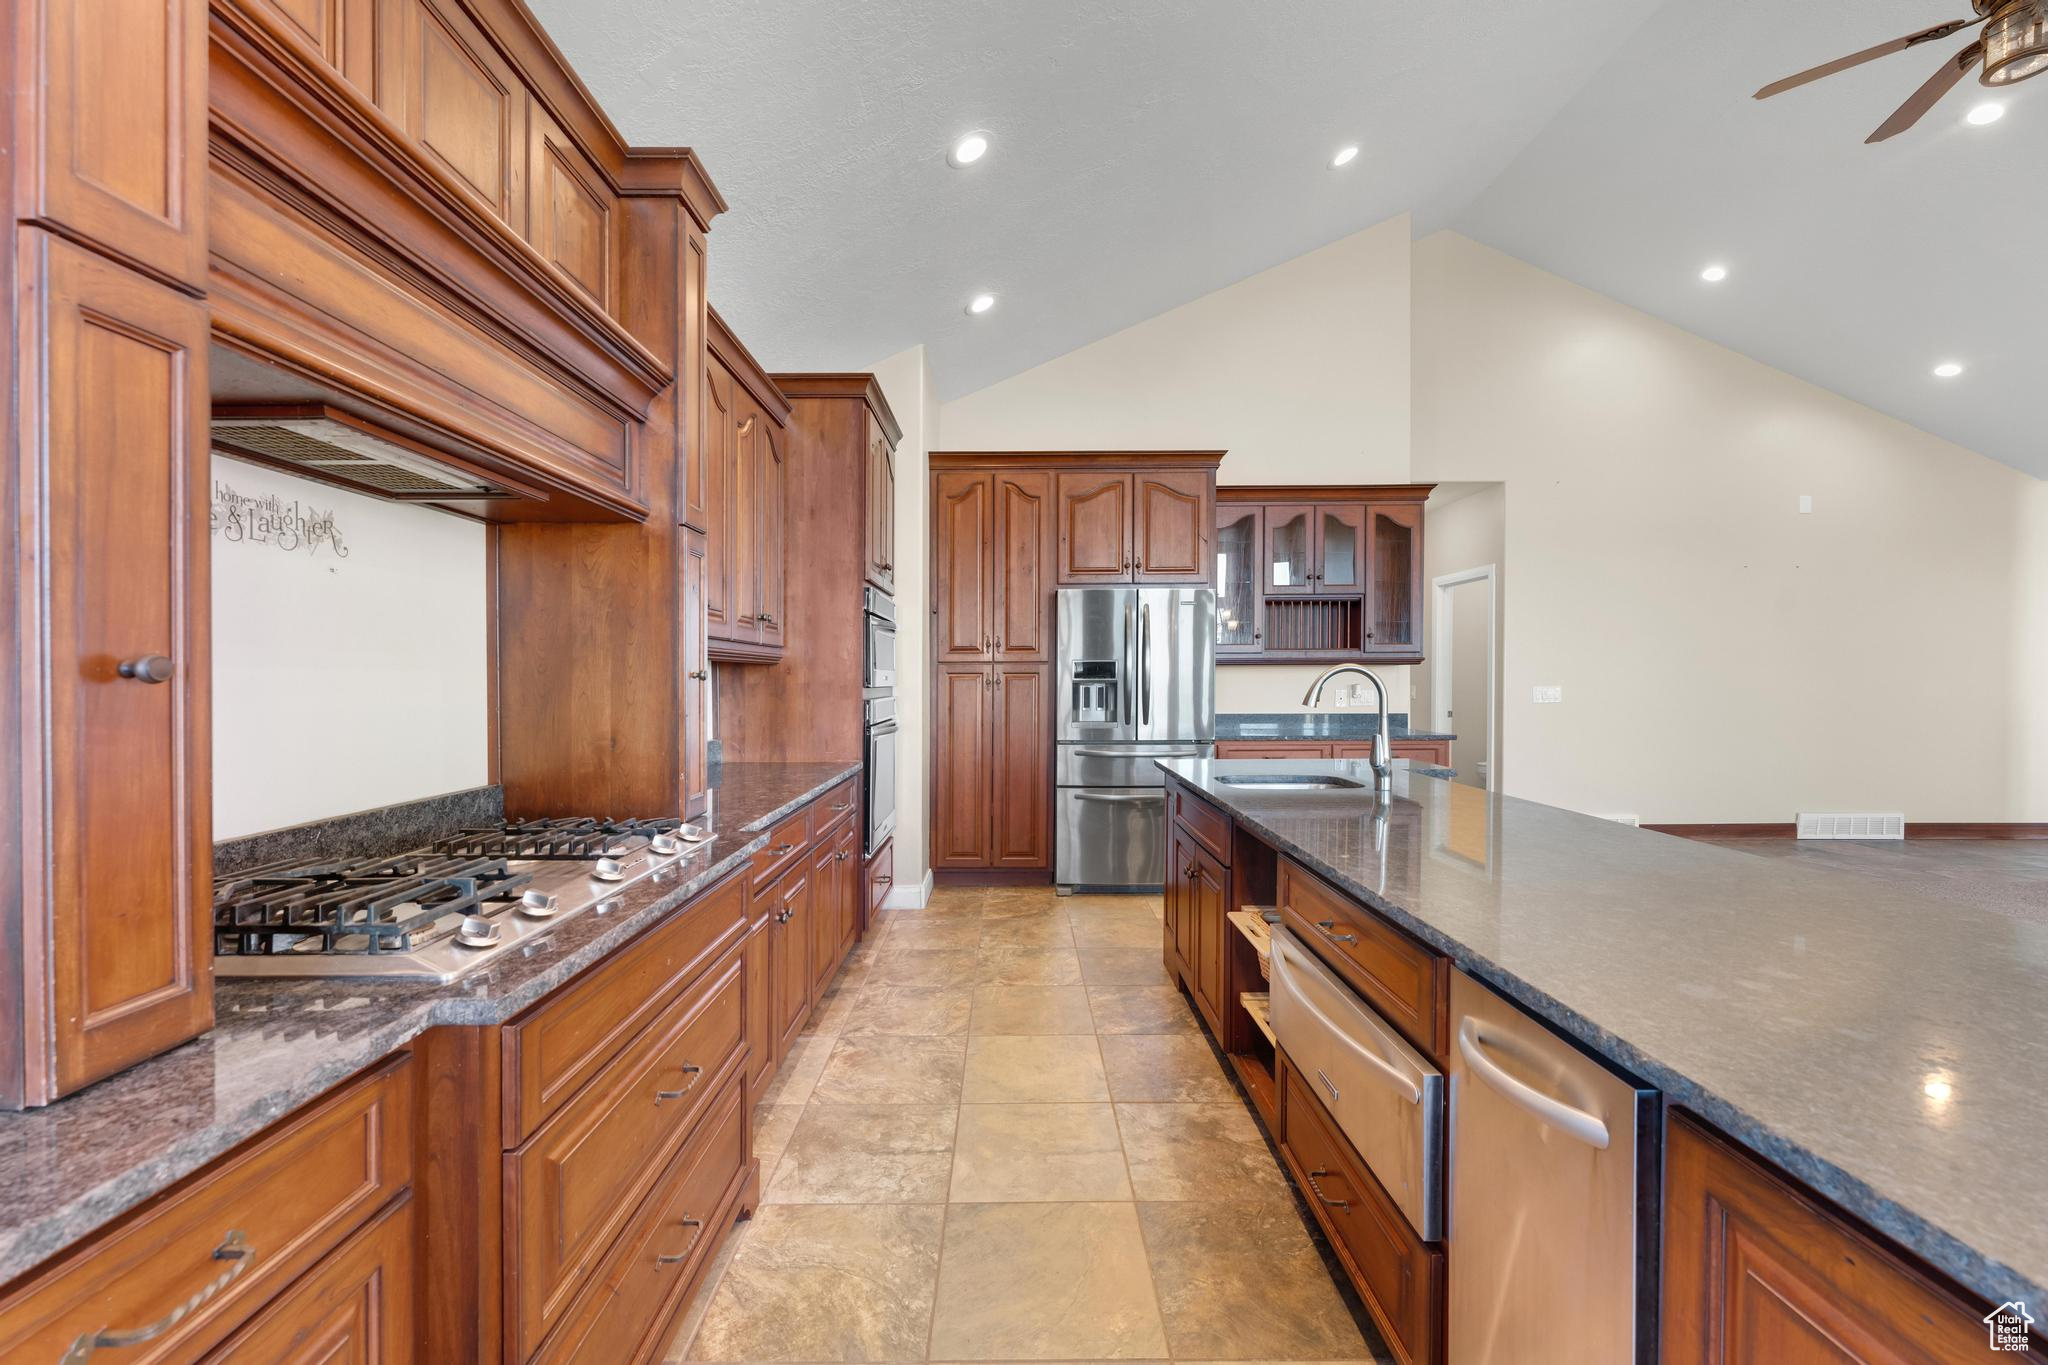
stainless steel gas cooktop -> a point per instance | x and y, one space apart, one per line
441 911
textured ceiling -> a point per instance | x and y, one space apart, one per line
1855 267
1145 152
1150 151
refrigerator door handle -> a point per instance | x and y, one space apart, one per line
1145 662
1129 662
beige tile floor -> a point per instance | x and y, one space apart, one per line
1006 1138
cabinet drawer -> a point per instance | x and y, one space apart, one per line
1208 826
676 1229
1400 1277
569 1190
1404 980
1272 748
285 1201
559 1044
786 844
355 1305
834 806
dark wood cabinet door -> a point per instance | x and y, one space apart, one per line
1020 748
1094 528
961 704
696 671
743 594
719 427
448 87
1207 899
115 864
825 915
1288 563
772 503
1175 520
119 110
852 885
763 1036
792 904
354 1305
963 566
1393 587
1022 558
1758 1271
1340 548
1174 897
881 510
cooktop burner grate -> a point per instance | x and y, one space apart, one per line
581 838
372 905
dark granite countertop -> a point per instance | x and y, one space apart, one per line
1354 723
1887 1050
75 1165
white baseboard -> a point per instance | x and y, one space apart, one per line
915 896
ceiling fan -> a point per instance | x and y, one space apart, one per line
2013 46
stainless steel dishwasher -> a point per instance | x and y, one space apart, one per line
1551 1226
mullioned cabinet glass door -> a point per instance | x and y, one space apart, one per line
1393 549
1238 598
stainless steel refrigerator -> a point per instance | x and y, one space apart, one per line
1135 681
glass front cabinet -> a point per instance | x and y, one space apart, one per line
1320 574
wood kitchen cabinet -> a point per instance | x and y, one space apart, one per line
1319 574
1008 530
1758 1271
1198 892
991 548
879 540
1436 751
746 445
1146 527
108 830
792 904
992 745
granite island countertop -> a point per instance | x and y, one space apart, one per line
1889 1051
75 1165
1356 723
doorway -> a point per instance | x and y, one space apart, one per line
1462 671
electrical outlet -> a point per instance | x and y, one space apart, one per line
1806 502
1549 693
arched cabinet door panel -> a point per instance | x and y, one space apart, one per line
1174 526
1094 528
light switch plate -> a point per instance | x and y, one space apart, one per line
1549 693
1806 502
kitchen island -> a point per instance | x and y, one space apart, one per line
283 1046
1888 1053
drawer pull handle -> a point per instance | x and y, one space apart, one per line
1327 927
1328 1084
234 1247
844 805
781 849
1313 1178
684 1254
695 1073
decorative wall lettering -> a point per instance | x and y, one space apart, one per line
270 520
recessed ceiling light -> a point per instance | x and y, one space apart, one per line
1714 274
968 150
1989 112
981 303
1345 156
1947 369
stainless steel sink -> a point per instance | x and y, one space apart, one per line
1286 782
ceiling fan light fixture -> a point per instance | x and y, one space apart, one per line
2015 43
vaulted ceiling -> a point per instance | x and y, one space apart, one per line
1148 152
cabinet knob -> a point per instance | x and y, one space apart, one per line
765 619
701 674
150 668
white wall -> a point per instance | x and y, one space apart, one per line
1723 657
1300 372
906 381
342 683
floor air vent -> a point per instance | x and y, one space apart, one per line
1852 826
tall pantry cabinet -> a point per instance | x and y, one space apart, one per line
105 824
1008 530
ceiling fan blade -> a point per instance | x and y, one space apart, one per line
1868 54
1927 96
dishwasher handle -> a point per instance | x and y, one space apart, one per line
1401 1082
1559 1115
